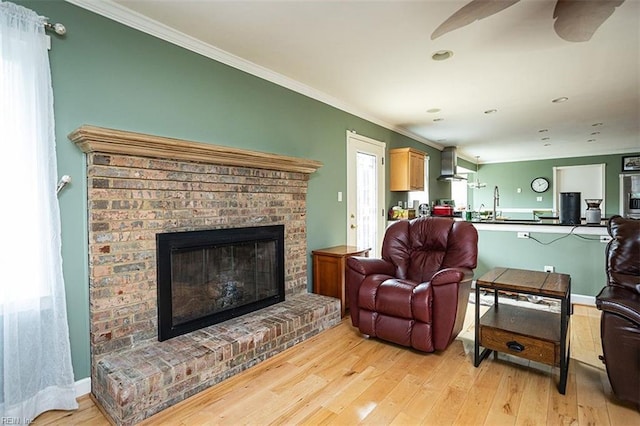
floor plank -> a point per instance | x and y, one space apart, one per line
340 377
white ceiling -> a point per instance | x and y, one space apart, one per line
373 59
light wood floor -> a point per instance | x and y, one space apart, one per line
342 378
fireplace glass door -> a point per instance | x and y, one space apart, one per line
210 276
211 280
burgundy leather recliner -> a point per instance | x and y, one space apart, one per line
417 294
619 302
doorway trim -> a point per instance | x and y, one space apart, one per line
373 147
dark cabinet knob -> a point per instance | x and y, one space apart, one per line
515 346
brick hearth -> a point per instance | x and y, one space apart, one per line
140 185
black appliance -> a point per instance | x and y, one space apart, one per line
570 208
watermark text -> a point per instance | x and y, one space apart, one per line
15 421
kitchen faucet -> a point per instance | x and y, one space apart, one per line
496 200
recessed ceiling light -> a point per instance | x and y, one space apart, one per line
438 119
595 133
547 144
491 111
596 124
442 55
433 110
545 139
543 130
560 100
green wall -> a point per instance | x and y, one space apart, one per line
109 75
582 257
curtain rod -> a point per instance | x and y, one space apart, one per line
57 28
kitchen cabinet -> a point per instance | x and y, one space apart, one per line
406 169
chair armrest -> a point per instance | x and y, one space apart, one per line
619 301
451 275
451 287
357 271
369 265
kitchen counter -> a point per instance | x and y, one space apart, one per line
542 221
548 226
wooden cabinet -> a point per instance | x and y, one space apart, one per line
329 271
406 169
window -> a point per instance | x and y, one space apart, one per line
459 191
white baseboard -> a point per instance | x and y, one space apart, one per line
580 299
83 387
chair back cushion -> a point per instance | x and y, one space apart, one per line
421 247
623 253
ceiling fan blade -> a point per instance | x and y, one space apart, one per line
471 12
578 20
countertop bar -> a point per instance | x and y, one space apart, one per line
543 226
544 221
546 226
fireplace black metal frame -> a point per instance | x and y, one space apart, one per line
166 243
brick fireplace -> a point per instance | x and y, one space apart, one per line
141 185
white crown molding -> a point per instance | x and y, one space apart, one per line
600 152
125 16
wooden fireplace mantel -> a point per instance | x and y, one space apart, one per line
110 141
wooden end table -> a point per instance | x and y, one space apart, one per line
528 333
329 271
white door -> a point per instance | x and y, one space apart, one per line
366 214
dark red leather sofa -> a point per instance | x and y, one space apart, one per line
619 302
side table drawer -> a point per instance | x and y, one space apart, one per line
510 343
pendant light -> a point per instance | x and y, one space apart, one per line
476 183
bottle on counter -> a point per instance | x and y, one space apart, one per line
468 214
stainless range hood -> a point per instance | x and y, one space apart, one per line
449 165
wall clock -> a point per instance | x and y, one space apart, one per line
539 184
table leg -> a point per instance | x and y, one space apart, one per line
476 340
477 356
564 348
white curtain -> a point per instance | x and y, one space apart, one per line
35 370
